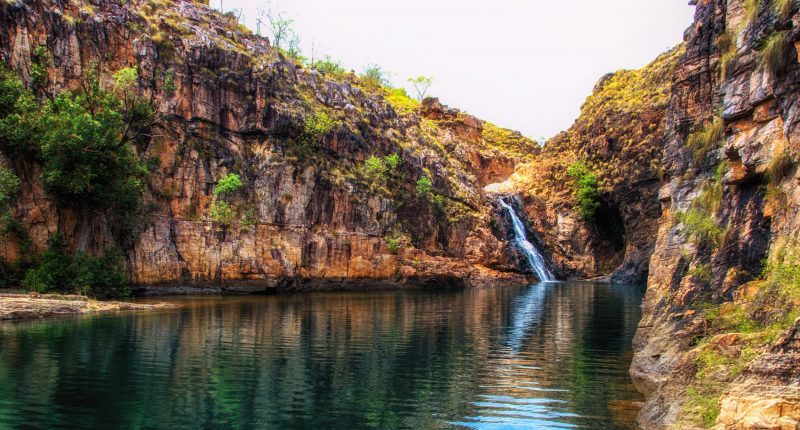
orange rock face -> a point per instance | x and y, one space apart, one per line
237 106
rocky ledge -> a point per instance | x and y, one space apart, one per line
31 306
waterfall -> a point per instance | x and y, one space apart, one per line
535 259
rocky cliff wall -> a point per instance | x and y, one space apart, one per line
717 346
619 137
233 104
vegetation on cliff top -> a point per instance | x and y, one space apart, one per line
619 127
83 142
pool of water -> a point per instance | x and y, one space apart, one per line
547 356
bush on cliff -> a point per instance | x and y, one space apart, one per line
586 189
57 270
703 141
775 53
316 127
424 187
81 139
221 211
9 185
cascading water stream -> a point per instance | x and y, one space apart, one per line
535 259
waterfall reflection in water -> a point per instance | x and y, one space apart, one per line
541 356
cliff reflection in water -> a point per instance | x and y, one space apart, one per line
544 356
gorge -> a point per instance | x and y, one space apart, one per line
234 167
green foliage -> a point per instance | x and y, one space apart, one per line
57 270
330 67
228 184
424 187
703 141
701 228
40 64
393 243
586 189
774 54
126 78
375 168
703 404
400 100
9 186
169 82
702 273
421 84
82 141
316 127
779 167
222 212
375 77
393 161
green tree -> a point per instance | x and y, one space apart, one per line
586 189
375 77
221 211
421 84
424 187
82 140
229 184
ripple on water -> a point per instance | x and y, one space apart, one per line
549 356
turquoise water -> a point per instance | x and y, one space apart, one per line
547 356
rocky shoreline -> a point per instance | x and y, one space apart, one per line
14 306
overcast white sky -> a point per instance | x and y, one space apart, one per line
523 64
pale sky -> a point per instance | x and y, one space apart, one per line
527 65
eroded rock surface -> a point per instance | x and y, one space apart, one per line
235 105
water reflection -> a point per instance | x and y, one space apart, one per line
543 356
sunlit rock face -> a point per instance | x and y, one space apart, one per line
234 105
697 369
619 136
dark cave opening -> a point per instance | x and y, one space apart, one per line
611 234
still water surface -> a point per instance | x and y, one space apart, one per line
547 356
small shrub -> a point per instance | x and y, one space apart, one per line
375 77
775 53
221 212
393 243
393 161
375 168
424 187
57 270
401 101
9 186
701 142
702 228
316 127
329 67
779 167
228 184
40 64
702 274
586 189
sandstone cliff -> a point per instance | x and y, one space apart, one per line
619 136
718 344
227 102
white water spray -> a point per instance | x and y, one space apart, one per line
535 259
